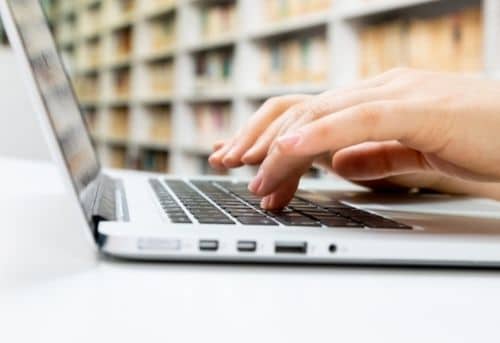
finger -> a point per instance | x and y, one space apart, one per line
275 160
406 182
268 181
215 159
245 150
218 145
373 161
376 121
283 195
257 153
309 111
264 116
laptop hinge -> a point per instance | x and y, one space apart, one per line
110 203
104 207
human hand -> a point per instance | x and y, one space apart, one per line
439 126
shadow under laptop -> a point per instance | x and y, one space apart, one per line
44 244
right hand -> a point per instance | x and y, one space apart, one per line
280 115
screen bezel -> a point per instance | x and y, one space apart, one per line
19 46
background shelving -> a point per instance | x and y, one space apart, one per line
161 80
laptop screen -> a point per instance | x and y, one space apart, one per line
58 95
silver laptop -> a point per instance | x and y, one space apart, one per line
143 216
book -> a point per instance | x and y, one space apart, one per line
212 123
89 19
87 87
217 20
279 10
154 161
122 45
151 5
161 78
162 33
89 54
118 127
295 60
214 70
118 157
159 126
452 42
121 83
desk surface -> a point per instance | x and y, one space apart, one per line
53 287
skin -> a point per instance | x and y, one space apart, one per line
403 129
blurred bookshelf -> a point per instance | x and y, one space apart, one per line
161 80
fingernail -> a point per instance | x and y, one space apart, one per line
212 158
289 141
265 203
231 156
227 160
248 155
256 183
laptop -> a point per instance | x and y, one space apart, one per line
136 215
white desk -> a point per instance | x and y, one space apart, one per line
55 289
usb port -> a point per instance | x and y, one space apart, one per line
247 246
209 245
290 248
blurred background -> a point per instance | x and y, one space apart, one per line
160 80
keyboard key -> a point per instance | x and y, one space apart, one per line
256 221
221 221
202 209
341 223
307 209
174 212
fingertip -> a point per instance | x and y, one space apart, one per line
212 160
216 163
218 145
264 204
250 158
230 162
274 202
233 159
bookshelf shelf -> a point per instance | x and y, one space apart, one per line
157 11
164 62
358 9
309 21
154 100
207 97
157 55
132 143
217 43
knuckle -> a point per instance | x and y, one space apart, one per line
323 132
273 102
316 110
294 112
309 111
371 116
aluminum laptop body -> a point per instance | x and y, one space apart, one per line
155 217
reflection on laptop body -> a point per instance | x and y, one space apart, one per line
142 216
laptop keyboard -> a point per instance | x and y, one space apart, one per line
227 203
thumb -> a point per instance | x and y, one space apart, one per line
373 161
